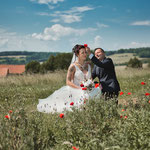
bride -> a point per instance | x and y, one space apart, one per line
73 94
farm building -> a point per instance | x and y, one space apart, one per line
11 69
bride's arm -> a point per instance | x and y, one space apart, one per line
70 77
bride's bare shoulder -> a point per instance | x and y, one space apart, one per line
72 68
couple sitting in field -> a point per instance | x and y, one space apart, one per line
80 86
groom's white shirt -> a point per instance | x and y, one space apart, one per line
91 55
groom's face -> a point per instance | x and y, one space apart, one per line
99 54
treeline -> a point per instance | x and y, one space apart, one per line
25 57
58 62
141 52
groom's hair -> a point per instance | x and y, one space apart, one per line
100 49
76 48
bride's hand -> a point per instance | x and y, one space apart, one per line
88 50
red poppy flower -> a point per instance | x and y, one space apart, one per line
120 116
143 83
123 109
61 115
85 45
147 94
82 85
96 85
129 93
10 111
125 117
149 101
121 93
73 147
72 103
7 116
84 88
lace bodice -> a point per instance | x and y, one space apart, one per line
79 76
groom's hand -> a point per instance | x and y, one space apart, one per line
88 50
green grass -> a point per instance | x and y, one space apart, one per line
96 126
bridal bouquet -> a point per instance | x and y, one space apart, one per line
87 85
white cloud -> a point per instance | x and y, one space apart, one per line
132 44
100 25
45 41
66 18
10 41
3 41
55 20
69 16
138 44
141 23
79 9
43 14
57 31
47 1
97 42
72 15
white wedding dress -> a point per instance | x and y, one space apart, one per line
67 97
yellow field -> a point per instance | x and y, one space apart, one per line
122 58
18 56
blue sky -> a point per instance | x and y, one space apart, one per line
57 25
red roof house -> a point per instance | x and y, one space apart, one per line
11 69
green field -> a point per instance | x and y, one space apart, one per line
99 125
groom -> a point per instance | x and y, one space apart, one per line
105 71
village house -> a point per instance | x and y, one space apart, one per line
11 69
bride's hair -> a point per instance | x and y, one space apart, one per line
77 48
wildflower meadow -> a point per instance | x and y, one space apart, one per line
98 125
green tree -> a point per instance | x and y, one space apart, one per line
43 68
62 61
50 64
32 67
134 63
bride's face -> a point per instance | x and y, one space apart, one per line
82 54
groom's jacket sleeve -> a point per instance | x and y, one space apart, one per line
106 63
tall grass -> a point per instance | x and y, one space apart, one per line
97 125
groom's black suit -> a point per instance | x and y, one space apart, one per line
105 71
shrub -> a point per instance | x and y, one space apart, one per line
33 67
134 63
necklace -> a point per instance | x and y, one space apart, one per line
82 66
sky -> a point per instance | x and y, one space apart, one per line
58 25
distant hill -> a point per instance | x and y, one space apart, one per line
24 57
120 56
122 59
141 52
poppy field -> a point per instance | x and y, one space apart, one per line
98 125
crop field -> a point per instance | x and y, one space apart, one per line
123 58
